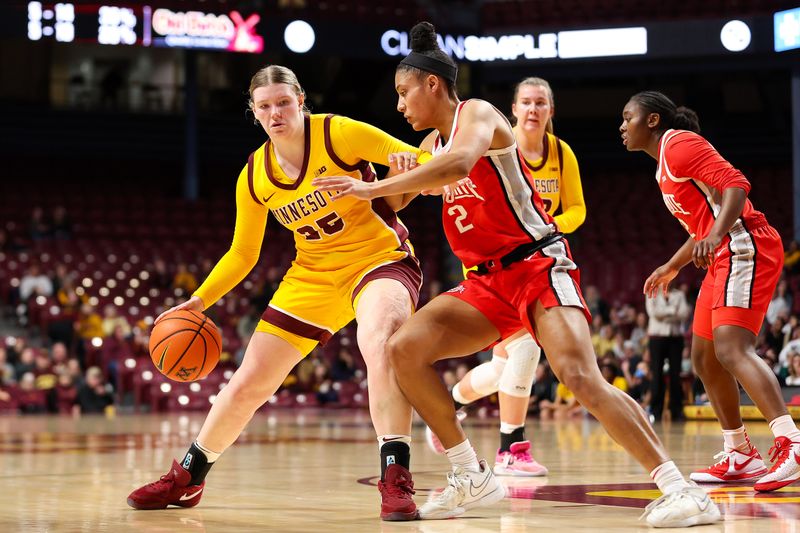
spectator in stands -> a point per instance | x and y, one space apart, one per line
34 283
64 396
61 225
184 280
793 379
43 371
159 276
612 374
93 395
74 371
112 320
62 325
7 374
323 385
26 362
597 306
563 406
8 401
344 366
14 348
791 258
543 387
29 398
245 327
665 331
39 227
790 348
115 350
603 340
639 333
89 324
781 303
59 276
774 336
59 356
638 382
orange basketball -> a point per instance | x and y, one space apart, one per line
185 345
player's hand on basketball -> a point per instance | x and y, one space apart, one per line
403 161
345 186
703 252
192 304
659 280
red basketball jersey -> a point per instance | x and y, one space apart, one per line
692 176
494 209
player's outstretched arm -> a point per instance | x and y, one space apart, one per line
474 138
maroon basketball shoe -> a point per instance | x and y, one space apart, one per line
396 490
172 489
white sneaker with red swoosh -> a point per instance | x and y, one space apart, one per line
785 466
465 490
733 466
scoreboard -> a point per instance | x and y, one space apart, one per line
143 25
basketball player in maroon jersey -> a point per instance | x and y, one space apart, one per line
744 258
494 219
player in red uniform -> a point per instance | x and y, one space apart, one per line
495 220
744 257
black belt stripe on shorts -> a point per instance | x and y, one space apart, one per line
519 253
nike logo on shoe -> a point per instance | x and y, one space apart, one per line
190 496
480 487
739 466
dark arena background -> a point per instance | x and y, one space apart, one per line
124 128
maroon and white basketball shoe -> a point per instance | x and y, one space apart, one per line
733 466
396 491
171 489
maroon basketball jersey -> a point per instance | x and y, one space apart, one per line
494 209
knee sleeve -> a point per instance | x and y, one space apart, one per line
523 358
485 378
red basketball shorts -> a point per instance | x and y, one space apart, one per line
504 296
740 283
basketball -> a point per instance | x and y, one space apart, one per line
185 345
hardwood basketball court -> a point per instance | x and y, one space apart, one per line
307 470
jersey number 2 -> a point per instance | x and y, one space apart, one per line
330 224
462 214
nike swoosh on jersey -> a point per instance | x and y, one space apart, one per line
190 496
480 487
267 198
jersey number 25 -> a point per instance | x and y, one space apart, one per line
330 224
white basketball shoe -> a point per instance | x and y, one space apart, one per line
690 506
465 490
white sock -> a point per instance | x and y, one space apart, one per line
383 439
668 478
457 396
784 426
464 456
736 439
508 429
210 456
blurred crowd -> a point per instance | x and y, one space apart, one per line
74 352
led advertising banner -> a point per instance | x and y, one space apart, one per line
144 26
